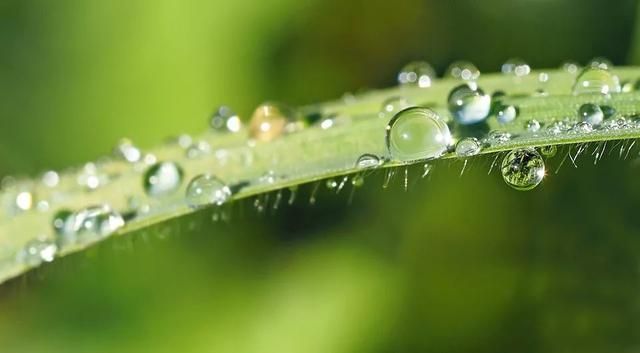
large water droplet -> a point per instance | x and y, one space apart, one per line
417 73
91 224
225 120
469 104
162 179
595 80
523 169
516 67
37 251
271 120
468 147
591 113
417 133
463 70
206 190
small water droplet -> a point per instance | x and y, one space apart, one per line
468 147
60 220
591 113
532 125
582 127
51 179
463 70
269 177
523 169
91 178
127 151
331 184
206 190
184 140
601 63
516 67
392 106
368 161
426 169
24 200
506 113
37 251
417 133
198 149
469 104
357 180
571 67
90 224
595 80
162 179
225 120
271 120
543 77
417 73
549 150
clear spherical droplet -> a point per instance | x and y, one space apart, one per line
37 251
591 113
516 67
368 161
532 125
271 120
469 104
417 133
595 80
417 73
51 179
225 120
206 190
127 151
162 179
506 113
468 147
523 169
463 70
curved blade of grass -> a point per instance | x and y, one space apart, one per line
309 155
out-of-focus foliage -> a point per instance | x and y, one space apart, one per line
455 264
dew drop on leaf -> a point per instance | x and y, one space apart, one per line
506 113
516 67
417 133
162 179
271 120
468 147
469 104
368 161
591 113
225 120
417 73
596 80
523 169
463 70
37 251
206 190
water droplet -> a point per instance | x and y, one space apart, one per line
206 190
90 224
271 120
595 80
571 67
417 73
426 169
60 220
24 200
469 104
523 169
549 151
543 77
601 63
497 137
417 133
468 147
608 111
463 70
225 120
591 113
91 177
392 106
162 179
198 149
582 127
357 180
532 125
331 184
516 67
51 179
506 113
367 161
333 120
127 151
37 251
185 140
269 177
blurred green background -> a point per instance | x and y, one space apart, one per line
454 265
